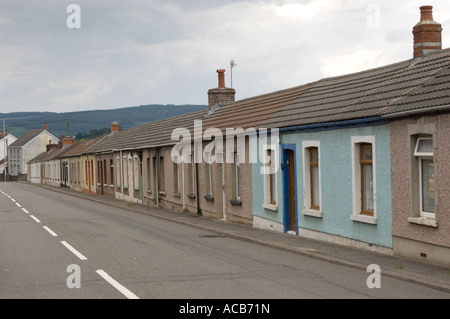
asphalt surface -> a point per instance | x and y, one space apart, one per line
415 271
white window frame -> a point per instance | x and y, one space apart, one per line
423 156
118 171
237 176
136 173
268 172
307 210
356 141
176 176
209 182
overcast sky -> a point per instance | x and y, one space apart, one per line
138 52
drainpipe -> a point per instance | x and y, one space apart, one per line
156 177
198 195
121 173
182 183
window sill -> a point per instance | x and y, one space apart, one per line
312 213
191 196
209 198
430 222
149 191
177 195
125 187
136 189
162 193
364 219
270 207
236 202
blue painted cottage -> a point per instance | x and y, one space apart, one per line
328 174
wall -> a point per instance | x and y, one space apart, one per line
415 237
335 223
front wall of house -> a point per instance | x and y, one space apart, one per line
415 236
75 173
336 222
88 173
106 178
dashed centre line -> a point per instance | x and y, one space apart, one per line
122 289
35 219
127 293
50 231
74 251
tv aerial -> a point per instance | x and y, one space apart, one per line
232 65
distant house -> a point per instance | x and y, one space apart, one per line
5 140
26 148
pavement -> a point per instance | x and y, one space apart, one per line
415 271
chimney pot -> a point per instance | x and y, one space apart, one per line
220 95
45 126
221 78
426 13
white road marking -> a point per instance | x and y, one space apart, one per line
50 231
18 205
13 199
25 210
116 285
74 251
35 219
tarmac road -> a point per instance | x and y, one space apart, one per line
52 238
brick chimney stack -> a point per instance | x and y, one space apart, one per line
67 141
221 95
427 33
45 126
114 127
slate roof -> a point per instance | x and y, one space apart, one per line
27 137
47 156
409 85
78 148
146 136
252 112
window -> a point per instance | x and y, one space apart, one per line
176 190
111 164
125 172
208 175
99 172
92 172
236 177
161 175
149 180
105 176
136 172
118 171
364 179
270 181
424 153
314 177
191 176
311 179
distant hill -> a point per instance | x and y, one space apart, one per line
85 121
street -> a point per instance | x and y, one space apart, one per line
56 246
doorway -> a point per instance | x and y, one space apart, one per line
289 189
